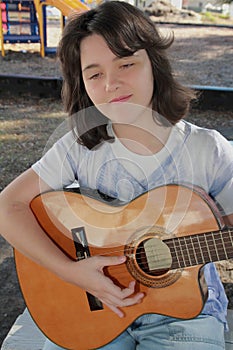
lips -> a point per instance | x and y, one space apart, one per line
124 98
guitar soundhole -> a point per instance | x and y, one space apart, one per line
153 257
149 259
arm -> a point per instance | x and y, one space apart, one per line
20 228
17 223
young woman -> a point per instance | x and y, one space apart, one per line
128 137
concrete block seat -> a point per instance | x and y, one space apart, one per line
24 335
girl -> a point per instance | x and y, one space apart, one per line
128 138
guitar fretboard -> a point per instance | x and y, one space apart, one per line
201 248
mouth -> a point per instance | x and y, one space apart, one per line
124 98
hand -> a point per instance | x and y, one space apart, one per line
88 274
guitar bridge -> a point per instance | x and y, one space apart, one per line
80 242
83 252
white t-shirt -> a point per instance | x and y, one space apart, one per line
192 155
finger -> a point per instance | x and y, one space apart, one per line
117 295
122 299
128 291
116 310
115 304
103 261
136 299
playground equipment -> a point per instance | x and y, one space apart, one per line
25 21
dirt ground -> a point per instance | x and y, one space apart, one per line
199 56
25 126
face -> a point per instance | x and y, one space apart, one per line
116 82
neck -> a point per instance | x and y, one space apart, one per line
146 140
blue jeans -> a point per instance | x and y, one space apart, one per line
156 332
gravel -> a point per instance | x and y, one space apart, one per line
199 55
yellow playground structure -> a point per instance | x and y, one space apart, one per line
16 15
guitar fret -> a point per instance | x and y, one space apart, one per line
229 243
182 252
223 244
186 256
208 251
187 250
216 250
192 251
226 237
201 248
205 251
175 260
220 247
198 251
177 248
230 236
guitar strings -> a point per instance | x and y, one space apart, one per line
185 250
186 245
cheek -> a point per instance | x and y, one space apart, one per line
143 79
149 86
145 87
93 92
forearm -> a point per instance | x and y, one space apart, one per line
20 228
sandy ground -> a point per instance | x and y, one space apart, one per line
199 55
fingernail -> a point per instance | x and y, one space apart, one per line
122 258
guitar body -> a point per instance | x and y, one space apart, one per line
64 312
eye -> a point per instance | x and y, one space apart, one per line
127 65
95 76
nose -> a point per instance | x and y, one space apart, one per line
112 82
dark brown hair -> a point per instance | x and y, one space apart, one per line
125 29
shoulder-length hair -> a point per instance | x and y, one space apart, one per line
125 29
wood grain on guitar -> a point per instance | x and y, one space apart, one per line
167 235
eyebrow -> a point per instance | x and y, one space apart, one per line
96 65
90 66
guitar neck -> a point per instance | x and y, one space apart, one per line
199 249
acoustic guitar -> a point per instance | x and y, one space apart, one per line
167 235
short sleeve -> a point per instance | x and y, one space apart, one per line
57 167
222 185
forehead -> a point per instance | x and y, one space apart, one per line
92 40
94 51
92 47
